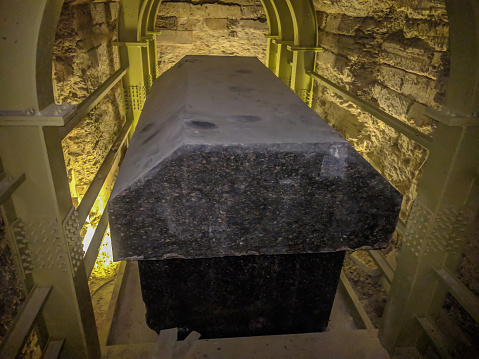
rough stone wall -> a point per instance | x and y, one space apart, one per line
230 28
392 54
83 59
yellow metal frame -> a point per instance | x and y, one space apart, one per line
43 227
292 43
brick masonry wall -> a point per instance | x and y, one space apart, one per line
392 54
83 59
214 28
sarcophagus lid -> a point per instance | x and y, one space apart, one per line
226 160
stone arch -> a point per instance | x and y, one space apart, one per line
292 42
26 60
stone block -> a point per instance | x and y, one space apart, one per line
188 24
166 22
355 8
98 12
253 24
334 67
342 24
176 36
391 101
340 44
417 114
417 87
252 12
321 19
227 161
435 33
407 57
216 24
175 9
215 11
241 296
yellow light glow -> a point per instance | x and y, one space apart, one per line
88 236
104 265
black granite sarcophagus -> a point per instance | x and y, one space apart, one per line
239 201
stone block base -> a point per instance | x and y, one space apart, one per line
241 296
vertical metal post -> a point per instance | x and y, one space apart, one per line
305 28
282 56
135 28
39 215
273 33
448 199
51 255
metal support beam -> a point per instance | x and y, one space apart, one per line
382 264
23 324
113 306
9 185
283 57
61 115
304 48
92 100
42 246
28 31
137 24
94 247
438 340
273 33
459 291
105 169
53 349
463 83
408 131
360 317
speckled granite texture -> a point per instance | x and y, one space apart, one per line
241 296
227 161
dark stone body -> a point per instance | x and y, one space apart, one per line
214 201
241 296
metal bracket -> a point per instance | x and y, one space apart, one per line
52 115
130 43
305 95
451 118
45 245
293 48
21 242
71 228
135 97
277 41
417 226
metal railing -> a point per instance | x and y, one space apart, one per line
24 322
468 301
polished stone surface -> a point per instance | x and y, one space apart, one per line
227 161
